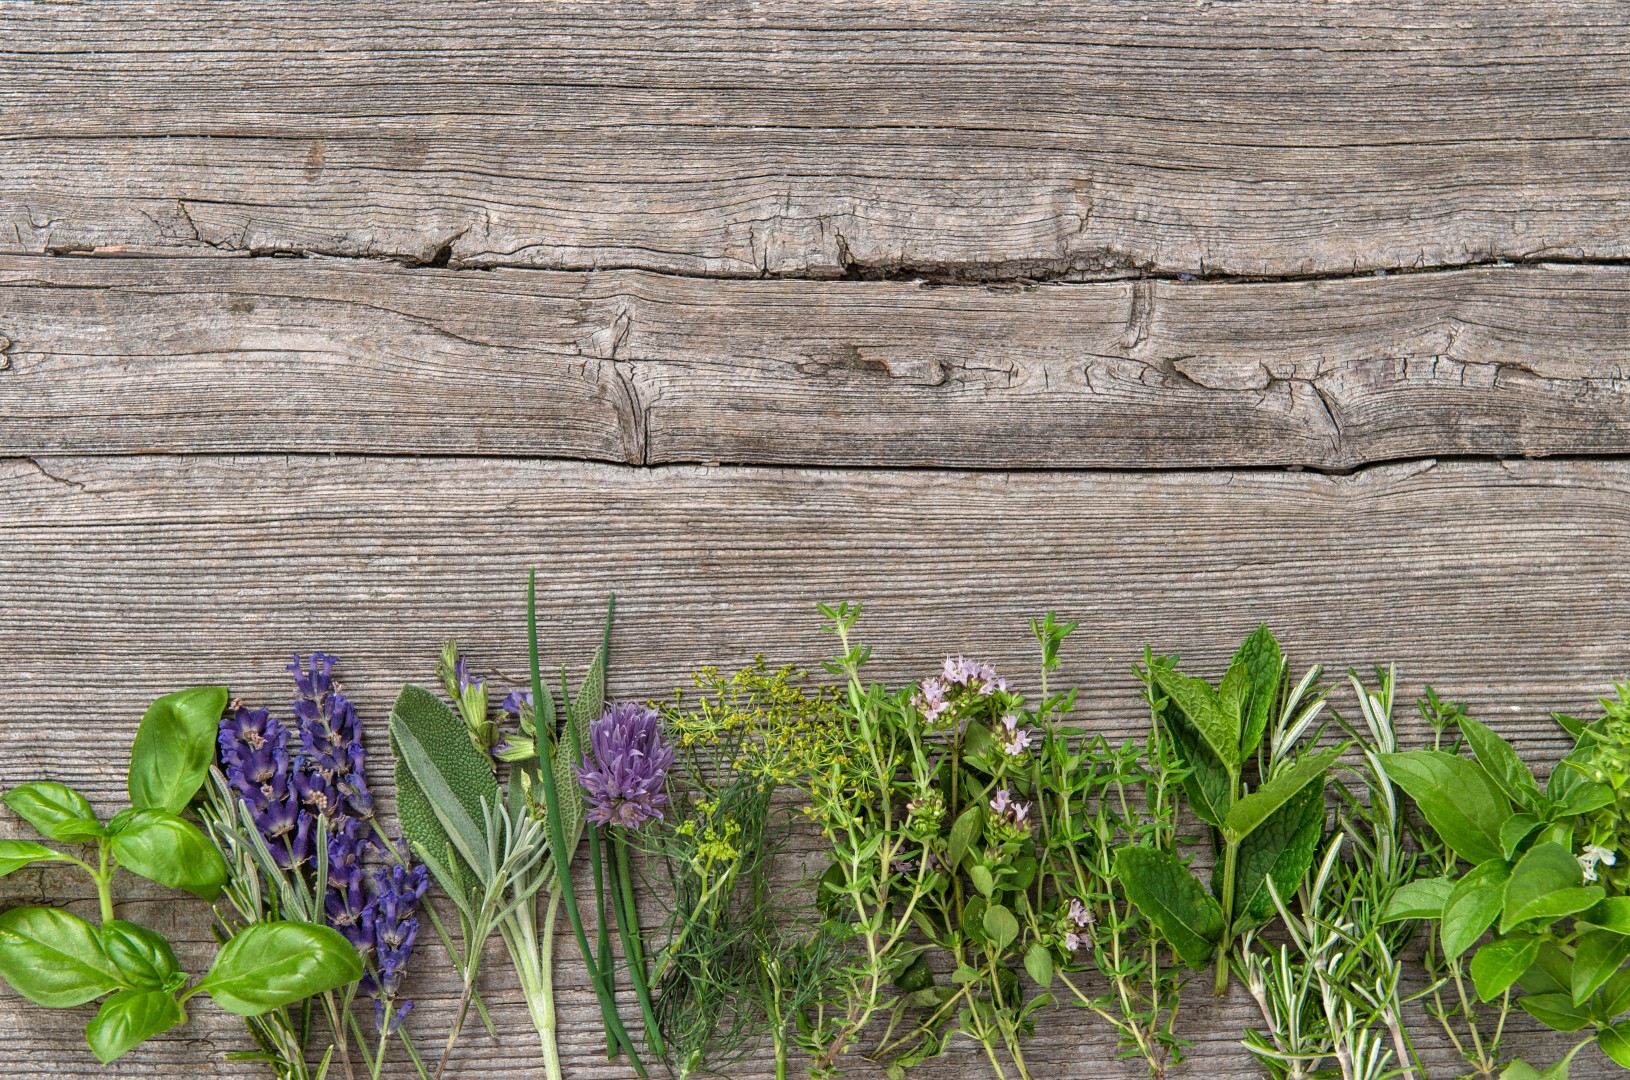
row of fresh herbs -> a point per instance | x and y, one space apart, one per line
980 862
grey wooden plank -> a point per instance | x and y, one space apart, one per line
210 355
121 578
965 139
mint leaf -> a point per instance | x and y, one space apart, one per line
1173 899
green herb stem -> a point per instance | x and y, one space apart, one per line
628 927
557 834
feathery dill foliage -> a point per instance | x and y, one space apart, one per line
739 961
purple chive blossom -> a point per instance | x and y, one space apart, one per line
392 918
630 761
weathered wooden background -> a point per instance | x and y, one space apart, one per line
321 321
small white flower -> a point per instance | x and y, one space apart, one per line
1593 854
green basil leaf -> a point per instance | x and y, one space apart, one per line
1501 763
1614 996
1420 899
56 810
1001 926
1545 885
54 958
143 958
269 965
129 1017
163 848
1458 799
1519 828
1252 810
1038 961
174 747
16 854
965 832
1597 957
1281 849
1172 899
1552 972
1611 914
1473 905
1615 1042
1555 1011
1521 1070
1499 963
1205 711
1584 797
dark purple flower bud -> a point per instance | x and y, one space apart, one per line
630 762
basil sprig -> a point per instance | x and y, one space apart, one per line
58 959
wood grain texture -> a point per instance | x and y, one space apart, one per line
212 355
122 578
1265 137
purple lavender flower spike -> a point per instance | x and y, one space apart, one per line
630 761
393 921
255 757
330 743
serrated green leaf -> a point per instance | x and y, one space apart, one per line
1206 783
56 810
128 1018
1473 905
1252 810
1545 884
1458 799
1264 665
1172 899
1281 849
1203 708
1597 957
1420 899
1497 964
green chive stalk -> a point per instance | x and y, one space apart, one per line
557 839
